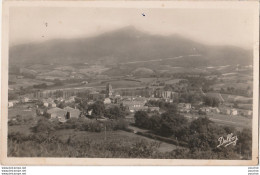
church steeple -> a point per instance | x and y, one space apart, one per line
109 90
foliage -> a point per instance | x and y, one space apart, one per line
44 126
115 113
40 86
211 101
98 109
12 96
41 145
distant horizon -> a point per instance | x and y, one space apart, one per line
134 28
232 27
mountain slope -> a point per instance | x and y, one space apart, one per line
128 45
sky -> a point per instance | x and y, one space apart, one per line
209 26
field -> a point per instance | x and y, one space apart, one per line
233 98
122 137
24 116
22 110
115 84
25 82
238 122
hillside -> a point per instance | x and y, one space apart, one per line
128 46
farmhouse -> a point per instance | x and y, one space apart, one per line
48 102
71 113
228 111
210 109
245 112
205 109
154 108
63 114
10 104
234 112
215 110
25 100
70 99
184 107
107 101
135 105
56 113
52 104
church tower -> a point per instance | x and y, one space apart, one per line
109 90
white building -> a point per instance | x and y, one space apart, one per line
234 112
107 101
10 104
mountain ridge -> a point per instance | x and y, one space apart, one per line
125 45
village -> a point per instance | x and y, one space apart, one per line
63 104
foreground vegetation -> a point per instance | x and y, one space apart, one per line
74 139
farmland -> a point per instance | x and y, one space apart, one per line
122 137
238 122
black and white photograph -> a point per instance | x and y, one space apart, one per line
132 81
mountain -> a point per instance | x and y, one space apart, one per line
129 46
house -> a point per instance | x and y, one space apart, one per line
215 110
71 112
60 99
70 99
154 108
228 111
184 107
210 109
90 112
56 113
63 114
46 104
245 112
154 99
84 82
135 105
205 109
107 101
234 112
25 100
90 102
53 105
10 104
160 93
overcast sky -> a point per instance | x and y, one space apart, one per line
214 26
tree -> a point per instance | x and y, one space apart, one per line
12 96
244 144
98 108
115 113
141 118
211 101
172 123
204 135
57 82
44 126
155 122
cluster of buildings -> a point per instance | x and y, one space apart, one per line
63 114
227 111
184 107
132 99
